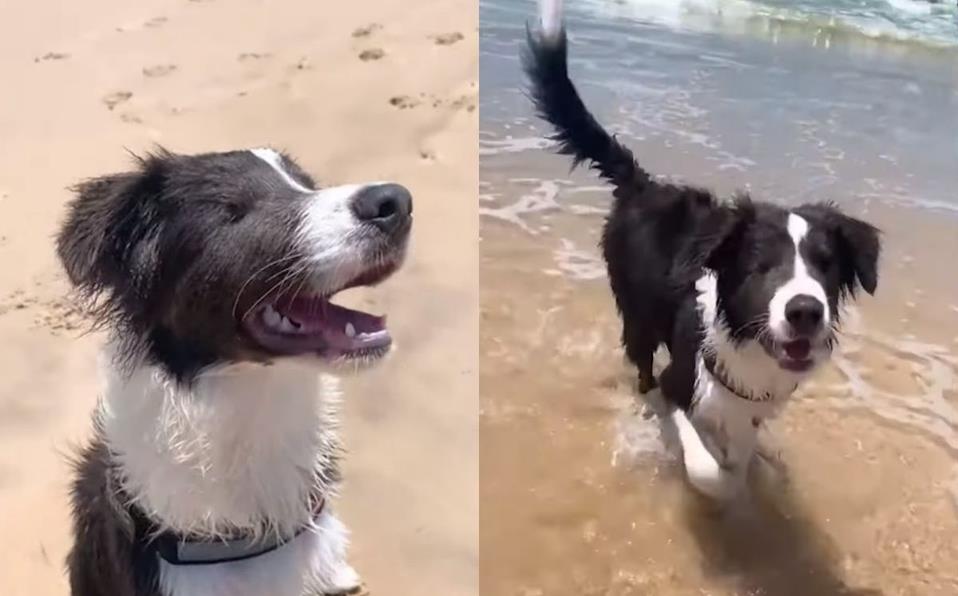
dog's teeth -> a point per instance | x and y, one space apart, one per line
350 330
286 325
271 317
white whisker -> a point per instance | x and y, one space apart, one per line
239 294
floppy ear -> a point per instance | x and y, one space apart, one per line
859 245
105 225
722 234
717 241
101 227
84 244
719 236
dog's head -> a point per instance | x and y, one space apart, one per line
782 276
226 257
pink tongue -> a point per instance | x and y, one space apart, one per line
798 349
330 320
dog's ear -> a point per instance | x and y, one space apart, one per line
722 234
858 244
717 243
100 230
84 245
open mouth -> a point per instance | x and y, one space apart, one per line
309 323
795 355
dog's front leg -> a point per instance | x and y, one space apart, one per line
346 582
331 574
705 472
769 450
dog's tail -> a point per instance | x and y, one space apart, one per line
557 101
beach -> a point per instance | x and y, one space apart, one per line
368 91
863 496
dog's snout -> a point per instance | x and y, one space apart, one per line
805 314
387 206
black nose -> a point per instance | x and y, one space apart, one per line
387 206
804 313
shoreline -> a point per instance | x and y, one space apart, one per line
610 496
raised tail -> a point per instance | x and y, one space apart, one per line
557 101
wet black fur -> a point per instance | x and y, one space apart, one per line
659 237
161 253
148 248
111 554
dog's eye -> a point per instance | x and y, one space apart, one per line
236 211
763 266
822 259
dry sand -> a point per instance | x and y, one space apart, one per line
366 90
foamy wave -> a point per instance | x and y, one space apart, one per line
578 264
669 112
643 430
640 437
513 145
912 7
540 199
903 21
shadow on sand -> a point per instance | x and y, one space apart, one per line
768 545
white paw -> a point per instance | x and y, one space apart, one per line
704 473
346 580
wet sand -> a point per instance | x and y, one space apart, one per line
585 488
374 91
863 501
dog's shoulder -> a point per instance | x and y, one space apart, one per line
99 562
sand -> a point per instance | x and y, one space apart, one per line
369 90
864 499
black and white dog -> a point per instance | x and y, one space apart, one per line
215 451
746 295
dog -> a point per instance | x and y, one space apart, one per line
215 452
745 295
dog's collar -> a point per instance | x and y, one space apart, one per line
717 372
177 549
180 549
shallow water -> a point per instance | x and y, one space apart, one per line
583 484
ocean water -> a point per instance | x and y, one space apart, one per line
793 101
921 21
748 95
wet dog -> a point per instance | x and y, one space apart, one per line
746 295
215 448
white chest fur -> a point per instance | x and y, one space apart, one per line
720 438
719 435
241 447
727 422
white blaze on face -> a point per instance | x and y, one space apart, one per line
329 230
276 162
800 283
330 233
